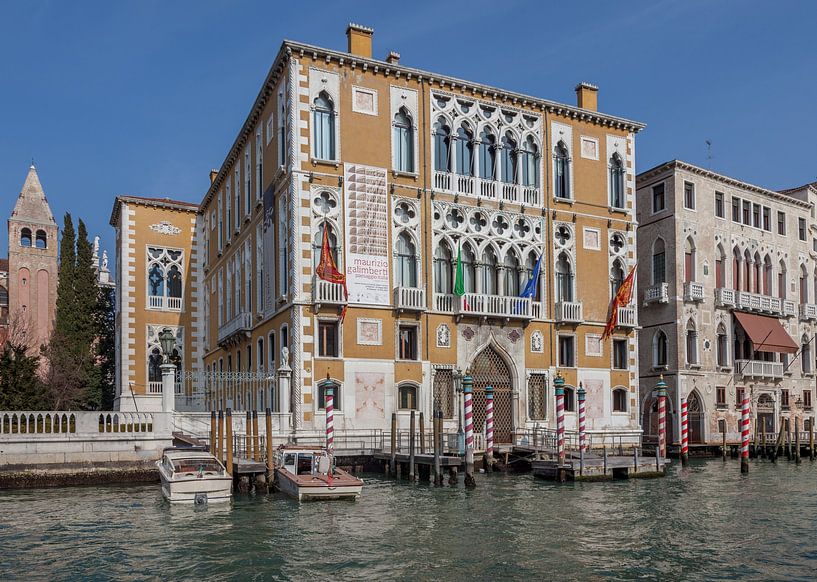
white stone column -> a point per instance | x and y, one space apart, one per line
168 387
285 390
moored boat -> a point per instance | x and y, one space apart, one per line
193 476
308 474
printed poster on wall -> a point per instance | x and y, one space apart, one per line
367 220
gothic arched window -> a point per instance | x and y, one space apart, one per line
403 142
616 181
323 118
406 261
442 143
508 164
564 279
487 155
562 170
443 265
465 151
530 164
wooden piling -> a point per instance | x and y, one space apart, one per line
412 426
438 441
256 454
763 441
788 439
811 439
393 464
270 459
228 436
796 440
220 437
422 434
604 451
213 433
635 458
723 446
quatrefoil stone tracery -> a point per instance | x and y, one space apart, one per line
616 243
563 235
324 203
404 213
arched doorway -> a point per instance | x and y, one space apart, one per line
765 414
695 418
487 369
650 421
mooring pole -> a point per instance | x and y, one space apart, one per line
256 454
582 426
661 389
467 390
248 437
220 437
723 438
684 433
489 429
228 436
797 440
438 445
744 434
393 464
270 460
412 428
213 444
811 438
559 387
422 434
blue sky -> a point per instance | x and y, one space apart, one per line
145 97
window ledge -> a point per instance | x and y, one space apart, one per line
694 366
319 161
724 368
663 368
400 174
565 200
721 407
618 210
328 357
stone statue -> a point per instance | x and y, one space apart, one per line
284 357
96 246
104 260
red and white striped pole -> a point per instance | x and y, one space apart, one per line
489 427
559 384
661 389
582 426
744 434
467 390
684 433
329 402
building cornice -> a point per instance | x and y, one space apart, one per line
289 47
652 173
165 203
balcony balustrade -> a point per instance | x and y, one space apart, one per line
165 303
745 301
808 311
759 369
569 312
410 299
238 326
693 291
656 294
324 292
490 189
499 306
626 317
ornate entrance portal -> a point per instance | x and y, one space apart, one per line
489 369
696 418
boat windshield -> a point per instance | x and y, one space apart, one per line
196 466
305 464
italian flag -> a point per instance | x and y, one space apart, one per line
459 279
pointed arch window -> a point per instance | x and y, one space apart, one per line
767 275
487 155
25 237
616 278
406 261
720 268
747 271
722 347
616 181
403 142
564 279
468 268
443 266
465 151
659 349
805 356
442 142
781 281
692 343
803 285
757 274
512 274
530 163
509 156
317 244
736 265
489 272
659 263
561 171
323 121
165 270
689 261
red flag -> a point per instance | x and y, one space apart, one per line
623 297
328 270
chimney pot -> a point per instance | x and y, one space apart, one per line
359 39
587 96
393 58
213 174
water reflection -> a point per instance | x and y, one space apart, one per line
704 522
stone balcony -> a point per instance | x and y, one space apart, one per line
656 294
494 306
236 328
326 293
745 301
808 312
627 317
489 189
409 299
569 312
758 369
693 291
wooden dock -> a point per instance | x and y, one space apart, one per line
596 468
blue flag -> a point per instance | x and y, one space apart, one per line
530 288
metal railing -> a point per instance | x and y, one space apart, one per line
201 391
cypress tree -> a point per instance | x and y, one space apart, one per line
106 346
20 386
64 317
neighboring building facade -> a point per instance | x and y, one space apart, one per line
728 277
4 300
157 281
407 170
32 262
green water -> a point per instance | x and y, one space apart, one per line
702 523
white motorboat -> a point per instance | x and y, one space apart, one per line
193 476
308 474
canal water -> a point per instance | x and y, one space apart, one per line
702 523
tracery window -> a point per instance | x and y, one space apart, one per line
323 117
164 278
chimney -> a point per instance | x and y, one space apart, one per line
360 40
587 96
393 58
213 174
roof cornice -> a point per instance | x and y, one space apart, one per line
289 47
652 173
166 203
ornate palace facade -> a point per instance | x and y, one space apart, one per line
407 171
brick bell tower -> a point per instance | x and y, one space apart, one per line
33 246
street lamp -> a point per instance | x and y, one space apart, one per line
167 339
458 376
